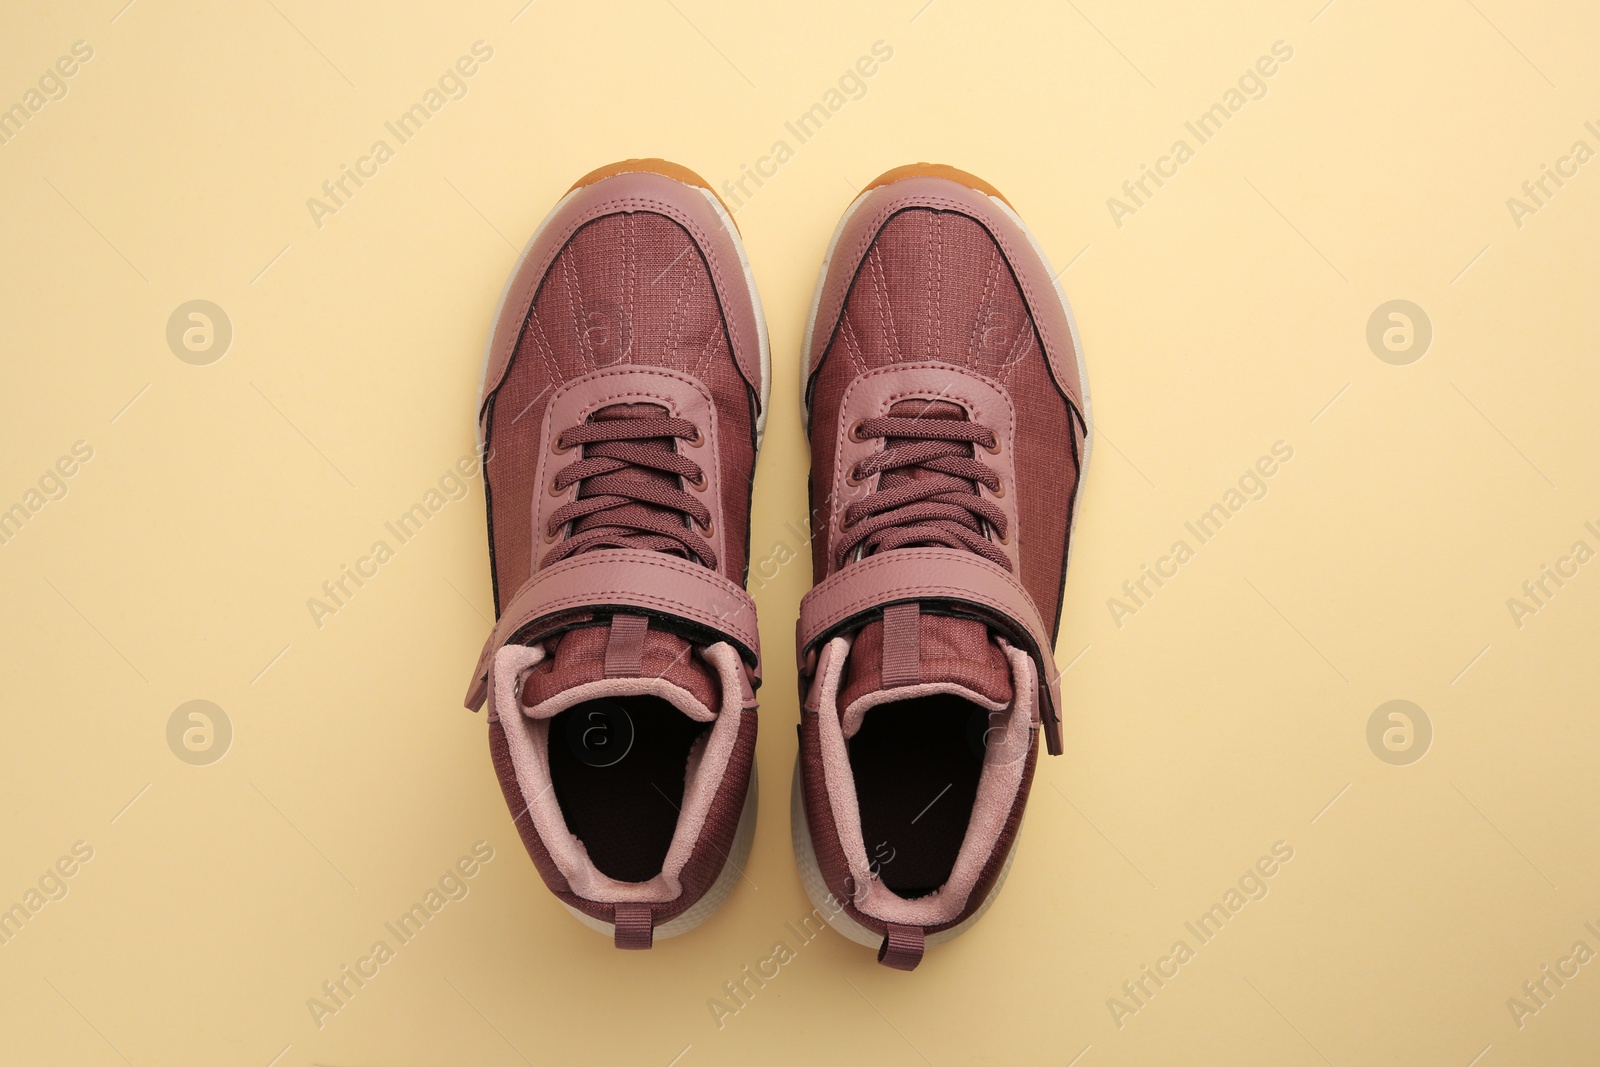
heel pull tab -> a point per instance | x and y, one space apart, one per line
902 947
635 927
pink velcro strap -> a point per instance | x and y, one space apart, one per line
936 575
902 947
639 582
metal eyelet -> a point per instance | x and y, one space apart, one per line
551 538
999 491
556 448
697 440
554 491
708 528
698 483
1005 538
855 434
993 450
850 479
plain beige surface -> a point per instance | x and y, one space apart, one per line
1229 712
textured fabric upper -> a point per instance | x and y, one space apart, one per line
934 285
577 657
953 650
628 288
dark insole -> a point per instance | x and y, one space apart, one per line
916 765
617 768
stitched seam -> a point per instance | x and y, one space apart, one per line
567 387
569 276
630 271
713 621
539 609
558 242
891 336
546 350
936 296
847 333
677 310
984 299
836 616
874 223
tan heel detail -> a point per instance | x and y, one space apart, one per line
664 167
937 170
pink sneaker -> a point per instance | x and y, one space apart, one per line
949 429
623 403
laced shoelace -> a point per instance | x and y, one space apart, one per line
928 494
632 493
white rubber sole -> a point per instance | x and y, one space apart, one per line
822 898
701 910
750 283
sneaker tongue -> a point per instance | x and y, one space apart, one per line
910 648
578 657
922 649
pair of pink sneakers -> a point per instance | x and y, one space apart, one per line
622 406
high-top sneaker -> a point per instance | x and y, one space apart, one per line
949 427
623 403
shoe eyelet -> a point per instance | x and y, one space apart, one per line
841 524
993 450
850 479
999 491
708 528
1005 538
556 448
855 434
698 440
698 483
553 491
551 538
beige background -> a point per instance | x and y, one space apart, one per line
1229 713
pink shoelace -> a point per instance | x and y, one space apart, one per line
632 493
928 494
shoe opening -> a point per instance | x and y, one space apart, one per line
916 765
618 768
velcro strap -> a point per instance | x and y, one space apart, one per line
651 583
945 575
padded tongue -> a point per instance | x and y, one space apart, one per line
922 654
622 652
911 648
